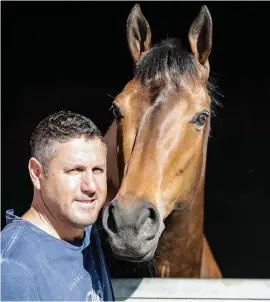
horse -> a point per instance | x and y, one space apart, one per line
156 150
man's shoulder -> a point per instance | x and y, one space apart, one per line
11 236
17 261
17 244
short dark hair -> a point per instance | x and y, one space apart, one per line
59 127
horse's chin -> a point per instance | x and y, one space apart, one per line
140 258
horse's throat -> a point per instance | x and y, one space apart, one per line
180 249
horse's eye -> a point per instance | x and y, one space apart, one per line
201 118
116 112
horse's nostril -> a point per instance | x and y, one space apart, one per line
147 224
153 222
153 215
111 221
142 218
108 220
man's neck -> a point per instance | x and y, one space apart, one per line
39 216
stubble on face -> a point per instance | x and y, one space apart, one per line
75 188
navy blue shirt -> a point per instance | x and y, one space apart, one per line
37 266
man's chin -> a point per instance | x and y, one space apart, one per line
80 218
83 222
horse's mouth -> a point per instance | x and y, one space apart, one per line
132 258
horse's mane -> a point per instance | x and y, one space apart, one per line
169 61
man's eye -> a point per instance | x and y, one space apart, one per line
98 170
75 170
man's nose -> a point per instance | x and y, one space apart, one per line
88 184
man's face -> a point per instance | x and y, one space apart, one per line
76 187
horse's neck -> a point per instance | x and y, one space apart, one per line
180 248
183 236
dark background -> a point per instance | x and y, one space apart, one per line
70 55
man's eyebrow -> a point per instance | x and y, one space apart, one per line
100 165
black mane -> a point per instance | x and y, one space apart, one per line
170 59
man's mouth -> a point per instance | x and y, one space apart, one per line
87 199
87 203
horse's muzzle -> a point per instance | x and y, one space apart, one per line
133 230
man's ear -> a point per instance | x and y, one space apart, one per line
35 172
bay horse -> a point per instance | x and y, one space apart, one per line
157 147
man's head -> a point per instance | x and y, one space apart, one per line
68 168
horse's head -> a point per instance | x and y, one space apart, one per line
163 117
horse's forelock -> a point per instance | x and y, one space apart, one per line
169 62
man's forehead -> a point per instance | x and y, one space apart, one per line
80 149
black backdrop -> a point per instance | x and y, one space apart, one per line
70 55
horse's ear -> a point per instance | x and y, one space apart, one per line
138 33
200 35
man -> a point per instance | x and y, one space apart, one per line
53 251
